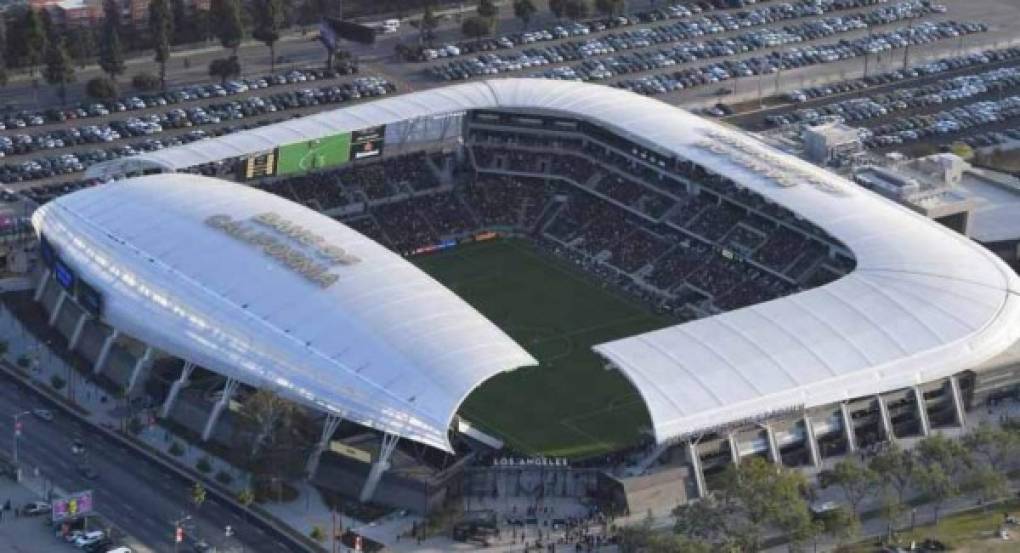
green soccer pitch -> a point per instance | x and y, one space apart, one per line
569 405
313 154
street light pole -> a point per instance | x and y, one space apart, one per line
17 434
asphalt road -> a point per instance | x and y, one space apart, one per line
132 492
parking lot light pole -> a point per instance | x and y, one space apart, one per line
17 434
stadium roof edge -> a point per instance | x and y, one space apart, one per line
385 346
922 303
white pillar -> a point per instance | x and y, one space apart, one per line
41 287
389 444
812 442
734 449
774 453
175 389
957 396
77 331
885 419
228 390
59 305
328 428
922 411
848 428
140 365
699 475
104 352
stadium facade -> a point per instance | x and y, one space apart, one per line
925 324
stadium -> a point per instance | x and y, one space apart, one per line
526 268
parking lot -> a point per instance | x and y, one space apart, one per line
45 144
689 53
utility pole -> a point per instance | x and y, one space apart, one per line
910 38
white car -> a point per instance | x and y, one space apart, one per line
88 538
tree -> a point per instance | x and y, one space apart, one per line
894 467
3 50
993 445
990 484
111 53
855 479
182 22
962 149
476 27
33 40
609 8
317 534
891 509
268 411
428 25
760 495
84 41
558 8
4 348
226 23
950 455
840 524
225 68
268 22
524 10
101 88
198 495
704 519
576 9
161 23
938 486
487 9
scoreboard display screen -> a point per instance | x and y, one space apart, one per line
262 164
90 299
64 275
367 143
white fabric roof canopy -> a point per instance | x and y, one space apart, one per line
385 346
922 303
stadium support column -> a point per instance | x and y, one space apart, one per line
699 475
774 454
59 305
922 411
734 448
76 335
885 419
228 390
140 366
812 442
104 352
954 390
39 288
389 443
328 428
848 428
175 389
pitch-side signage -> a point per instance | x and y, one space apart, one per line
307 254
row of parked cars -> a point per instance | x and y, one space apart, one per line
954 89
770 63
153 127
932 68
947 122
23 119
682 46
708 20
177 118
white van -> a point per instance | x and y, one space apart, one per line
390 25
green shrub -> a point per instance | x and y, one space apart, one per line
224 477
176 449
317 534
101 88
204 465
144 82
57 382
